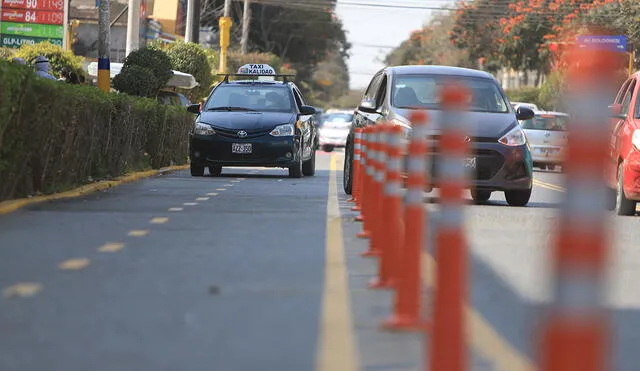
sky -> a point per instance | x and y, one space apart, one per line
373 32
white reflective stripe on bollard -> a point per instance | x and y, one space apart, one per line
415 165
413 197
451 168
579 291
451 216
393 188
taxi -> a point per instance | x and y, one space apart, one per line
254 120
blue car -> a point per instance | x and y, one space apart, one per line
254 121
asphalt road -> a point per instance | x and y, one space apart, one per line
256 271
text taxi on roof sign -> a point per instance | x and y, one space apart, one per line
261 71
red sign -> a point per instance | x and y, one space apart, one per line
54 5
32 16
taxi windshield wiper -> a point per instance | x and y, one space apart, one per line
229 108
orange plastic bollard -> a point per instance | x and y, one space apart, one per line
576 334
384 279
373 212
448 351
365 189
355 191
407 305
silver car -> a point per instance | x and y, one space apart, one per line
547 137
334 130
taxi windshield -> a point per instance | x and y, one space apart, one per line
546 122
270 98
422 91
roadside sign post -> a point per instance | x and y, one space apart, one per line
617 43
33 21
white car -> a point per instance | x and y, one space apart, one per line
334 130
547 137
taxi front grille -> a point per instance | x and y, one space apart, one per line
233 133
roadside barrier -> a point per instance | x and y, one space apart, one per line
575 334
381 234
375 187
407 308
355 185
447 345
365 189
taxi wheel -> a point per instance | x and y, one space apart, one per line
215 170
518 197
295 171
327 148
346 172
309 166
480 196
197 170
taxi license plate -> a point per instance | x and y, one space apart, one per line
241 148
470 162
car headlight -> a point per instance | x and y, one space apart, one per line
635 139
515 137
283 130
203 129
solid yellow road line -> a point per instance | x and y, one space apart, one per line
111 247
550 186
12 205
74 264
138 232
481 335
337 350
22 290
159 220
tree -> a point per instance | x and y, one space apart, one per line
154 60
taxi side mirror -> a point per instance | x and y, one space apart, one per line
194 108
307 110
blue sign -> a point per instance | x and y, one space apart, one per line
610 43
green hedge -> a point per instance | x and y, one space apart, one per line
525 95
55 136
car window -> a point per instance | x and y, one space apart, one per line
622 91
627 98
422 91
271 98
370 94
382 91
546 122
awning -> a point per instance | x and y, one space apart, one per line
178 80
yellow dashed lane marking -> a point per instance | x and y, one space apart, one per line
22 290
138 233
235 181
480 334
74 264
202 198
175 209
212 194
550 186
240 178
111 247
190 203
336 347
159 220
221 189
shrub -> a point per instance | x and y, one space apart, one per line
189 58
7 53
153 59
550 92
58 58
55 136
525 95
136 80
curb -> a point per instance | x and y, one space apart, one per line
13 205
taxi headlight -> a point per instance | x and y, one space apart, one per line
515 137
203 129
283 130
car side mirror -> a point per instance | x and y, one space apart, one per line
367 105
307 110
194 108
524 113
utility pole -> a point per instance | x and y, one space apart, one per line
133 26
225 29
104 67
246 19
188 30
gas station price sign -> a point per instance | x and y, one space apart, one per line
31 22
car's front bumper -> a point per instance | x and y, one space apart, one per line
498 168
267 151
